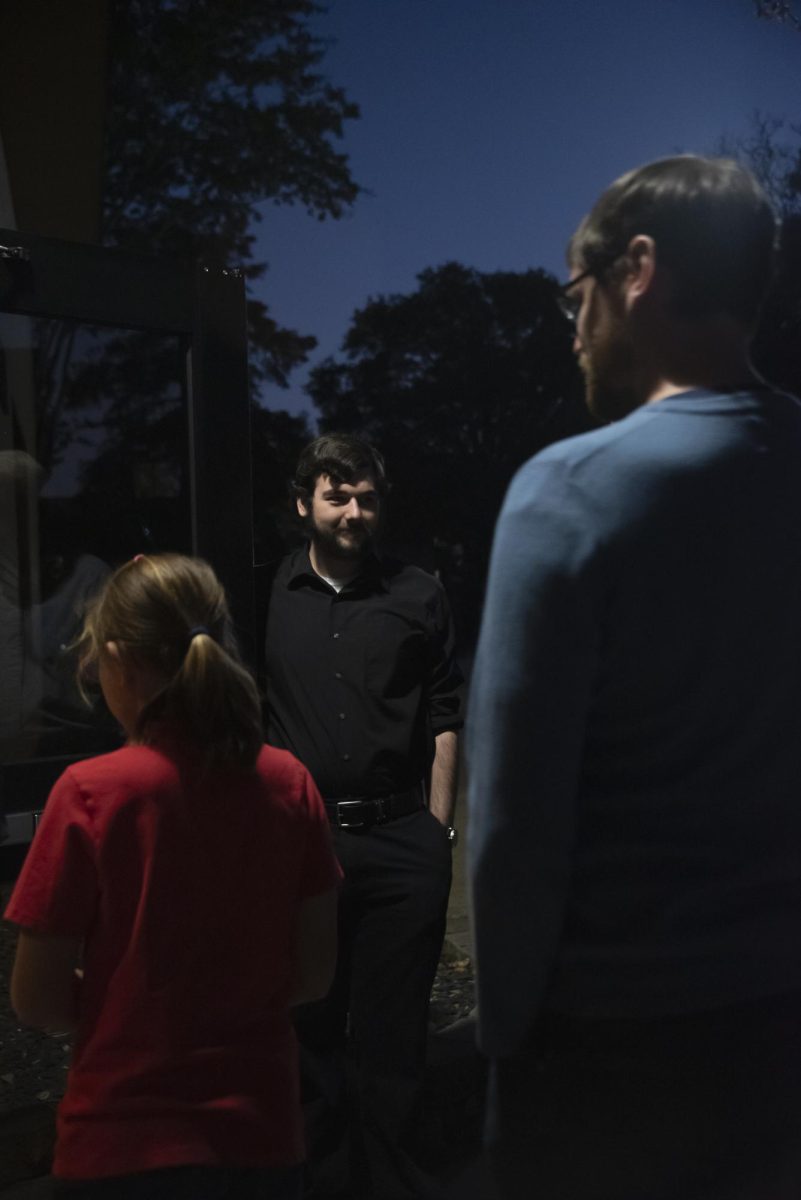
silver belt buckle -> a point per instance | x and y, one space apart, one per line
348 824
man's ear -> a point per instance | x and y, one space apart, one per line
302 507
641 255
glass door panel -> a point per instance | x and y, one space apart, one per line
93 469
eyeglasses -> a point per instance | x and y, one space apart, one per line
570 305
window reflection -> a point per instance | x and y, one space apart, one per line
93 469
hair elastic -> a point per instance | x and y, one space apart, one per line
197 629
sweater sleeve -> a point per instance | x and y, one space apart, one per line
531 688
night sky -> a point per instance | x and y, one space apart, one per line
488 127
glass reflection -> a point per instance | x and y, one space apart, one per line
93 469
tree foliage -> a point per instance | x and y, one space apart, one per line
783 11
213 107
772 149
278 438
777 346
458 383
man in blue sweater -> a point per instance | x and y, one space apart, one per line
635 742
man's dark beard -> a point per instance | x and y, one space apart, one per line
327 539
609 376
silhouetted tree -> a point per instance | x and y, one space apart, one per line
458 383
783 11
278 439
772 149
777 345
215 106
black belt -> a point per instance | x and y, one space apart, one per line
360 812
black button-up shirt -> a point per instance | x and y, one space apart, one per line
360 682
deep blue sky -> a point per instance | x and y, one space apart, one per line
488 127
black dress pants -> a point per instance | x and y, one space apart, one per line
705 1106
363 1047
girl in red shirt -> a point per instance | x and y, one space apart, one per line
191 874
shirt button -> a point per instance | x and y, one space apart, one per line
337 674
336 635
346 758
342 716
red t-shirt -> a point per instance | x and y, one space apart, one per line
185 887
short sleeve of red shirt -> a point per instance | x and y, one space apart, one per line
57 889
321 871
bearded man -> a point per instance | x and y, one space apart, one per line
635 732
361 685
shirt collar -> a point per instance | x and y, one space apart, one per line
372 575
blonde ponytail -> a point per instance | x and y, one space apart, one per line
170 611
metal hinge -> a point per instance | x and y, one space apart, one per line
18 252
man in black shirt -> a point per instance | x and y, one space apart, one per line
362 687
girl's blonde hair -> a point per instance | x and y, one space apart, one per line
170 611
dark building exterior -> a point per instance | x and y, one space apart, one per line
124 423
